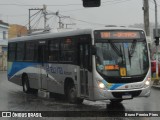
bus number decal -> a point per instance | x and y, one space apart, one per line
123 72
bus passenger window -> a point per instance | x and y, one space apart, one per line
20 51
53 51
67 52
11 51
29 51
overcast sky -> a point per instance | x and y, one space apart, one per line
111 12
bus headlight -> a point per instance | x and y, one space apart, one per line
101 85
147 82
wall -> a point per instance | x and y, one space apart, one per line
16 31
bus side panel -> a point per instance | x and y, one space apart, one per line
16 70
33 80
12 73
53 79
57 74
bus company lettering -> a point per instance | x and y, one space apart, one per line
57 70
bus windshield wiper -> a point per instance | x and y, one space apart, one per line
117 51
133 46
132 50
115 48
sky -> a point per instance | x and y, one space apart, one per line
111 12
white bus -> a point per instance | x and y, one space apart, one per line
95 64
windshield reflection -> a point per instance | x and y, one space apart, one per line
132 56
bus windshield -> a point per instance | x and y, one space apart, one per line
122 58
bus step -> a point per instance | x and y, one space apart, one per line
43 93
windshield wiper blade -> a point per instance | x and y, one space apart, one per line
117 51
133 46
114 47
129 55
132 50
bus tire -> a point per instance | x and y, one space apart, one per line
116 100
72 96
26 87
80 100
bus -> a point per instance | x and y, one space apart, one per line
94 64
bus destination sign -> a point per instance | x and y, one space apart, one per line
120 34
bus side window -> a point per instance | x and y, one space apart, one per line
20 51
53 50
11 51
67 52
36 51
29 51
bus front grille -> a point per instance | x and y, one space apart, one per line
132 93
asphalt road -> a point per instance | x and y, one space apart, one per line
12 98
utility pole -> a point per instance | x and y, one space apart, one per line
29 27
146 17
45 16
61 24
157 39
39 9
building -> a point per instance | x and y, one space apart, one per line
3 54
3 30
17 31
3 44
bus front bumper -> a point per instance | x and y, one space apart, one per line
104 94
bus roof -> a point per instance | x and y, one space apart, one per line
65 34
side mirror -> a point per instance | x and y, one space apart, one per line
94 50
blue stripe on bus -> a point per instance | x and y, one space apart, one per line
17 66
112 86
115 86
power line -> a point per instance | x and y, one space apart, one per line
20 15
151 1
28 22
113 3
15 4
37 22
88 22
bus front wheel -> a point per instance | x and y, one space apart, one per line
72 96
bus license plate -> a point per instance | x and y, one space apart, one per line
126 96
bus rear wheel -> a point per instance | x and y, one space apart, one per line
26 87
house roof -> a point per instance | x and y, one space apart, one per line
3 23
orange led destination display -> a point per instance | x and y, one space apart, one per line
119 34
111 67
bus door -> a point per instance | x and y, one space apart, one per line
84 62
42 69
